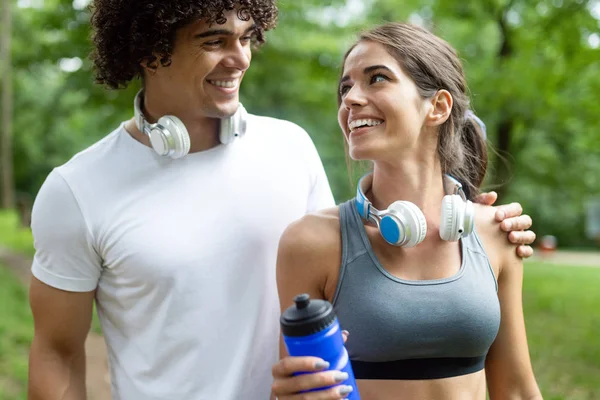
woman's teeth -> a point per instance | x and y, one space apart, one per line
357 123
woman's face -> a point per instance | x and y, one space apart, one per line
381 112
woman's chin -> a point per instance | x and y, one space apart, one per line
360 153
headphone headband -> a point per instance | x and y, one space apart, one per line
140 121
169 135
403 223
453 186
366 209
363 204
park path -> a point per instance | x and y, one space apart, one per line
98 381
97 376
573 258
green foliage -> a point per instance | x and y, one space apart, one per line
531 65
13 236
18 239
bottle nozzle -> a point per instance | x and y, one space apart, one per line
302 301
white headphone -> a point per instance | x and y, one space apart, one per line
169 136
403 223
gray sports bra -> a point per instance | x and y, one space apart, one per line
405 329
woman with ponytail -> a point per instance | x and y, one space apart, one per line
419 273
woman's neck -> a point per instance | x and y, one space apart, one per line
418 181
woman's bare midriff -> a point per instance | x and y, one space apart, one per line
465 387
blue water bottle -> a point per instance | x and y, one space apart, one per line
310 328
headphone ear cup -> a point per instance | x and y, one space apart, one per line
451 219
180 139
391 229
416 228
233 126
469 218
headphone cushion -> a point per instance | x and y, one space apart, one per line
417 225
181 138
420 228
233 126
451 219
469 218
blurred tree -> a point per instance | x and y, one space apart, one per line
533 69
6 150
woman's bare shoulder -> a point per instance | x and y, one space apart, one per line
309 253
495 241
313 235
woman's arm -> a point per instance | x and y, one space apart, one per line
303 258
508 365
309 251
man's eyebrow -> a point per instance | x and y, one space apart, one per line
224 32
366 71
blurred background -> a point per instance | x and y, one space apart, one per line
533 68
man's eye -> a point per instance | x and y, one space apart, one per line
213 42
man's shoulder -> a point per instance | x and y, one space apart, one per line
87 171
92 157
273 122
280 135
267 125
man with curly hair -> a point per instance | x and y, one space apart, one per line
171 222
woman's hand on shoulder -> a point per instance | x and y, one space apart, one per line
513 222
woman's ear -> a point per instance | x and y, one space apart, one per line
441 108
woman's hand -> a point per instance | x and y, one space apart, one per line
286 386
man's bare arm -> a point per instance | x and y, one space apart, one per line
57 359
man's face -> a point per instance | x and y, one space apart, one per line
206 70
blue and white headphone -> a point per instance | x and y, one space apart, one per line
403 223
169 136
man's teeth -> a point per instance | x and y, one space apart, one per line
360 122
225 84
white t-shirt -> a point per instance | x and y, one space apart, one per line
182 254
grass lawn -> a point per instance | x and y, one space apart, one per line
16 332
561 309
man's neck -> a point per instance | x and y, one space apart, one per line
204 133
199 142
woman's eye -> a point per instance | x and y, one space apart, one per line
378 78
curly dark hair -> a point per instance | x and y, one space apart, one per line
127 32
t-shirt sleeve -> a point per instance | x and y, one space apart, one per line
64 254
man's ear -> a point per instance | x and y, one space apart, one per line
150 65
440 108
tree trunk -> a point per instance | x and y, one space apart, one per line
503 165
6 150
502 170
